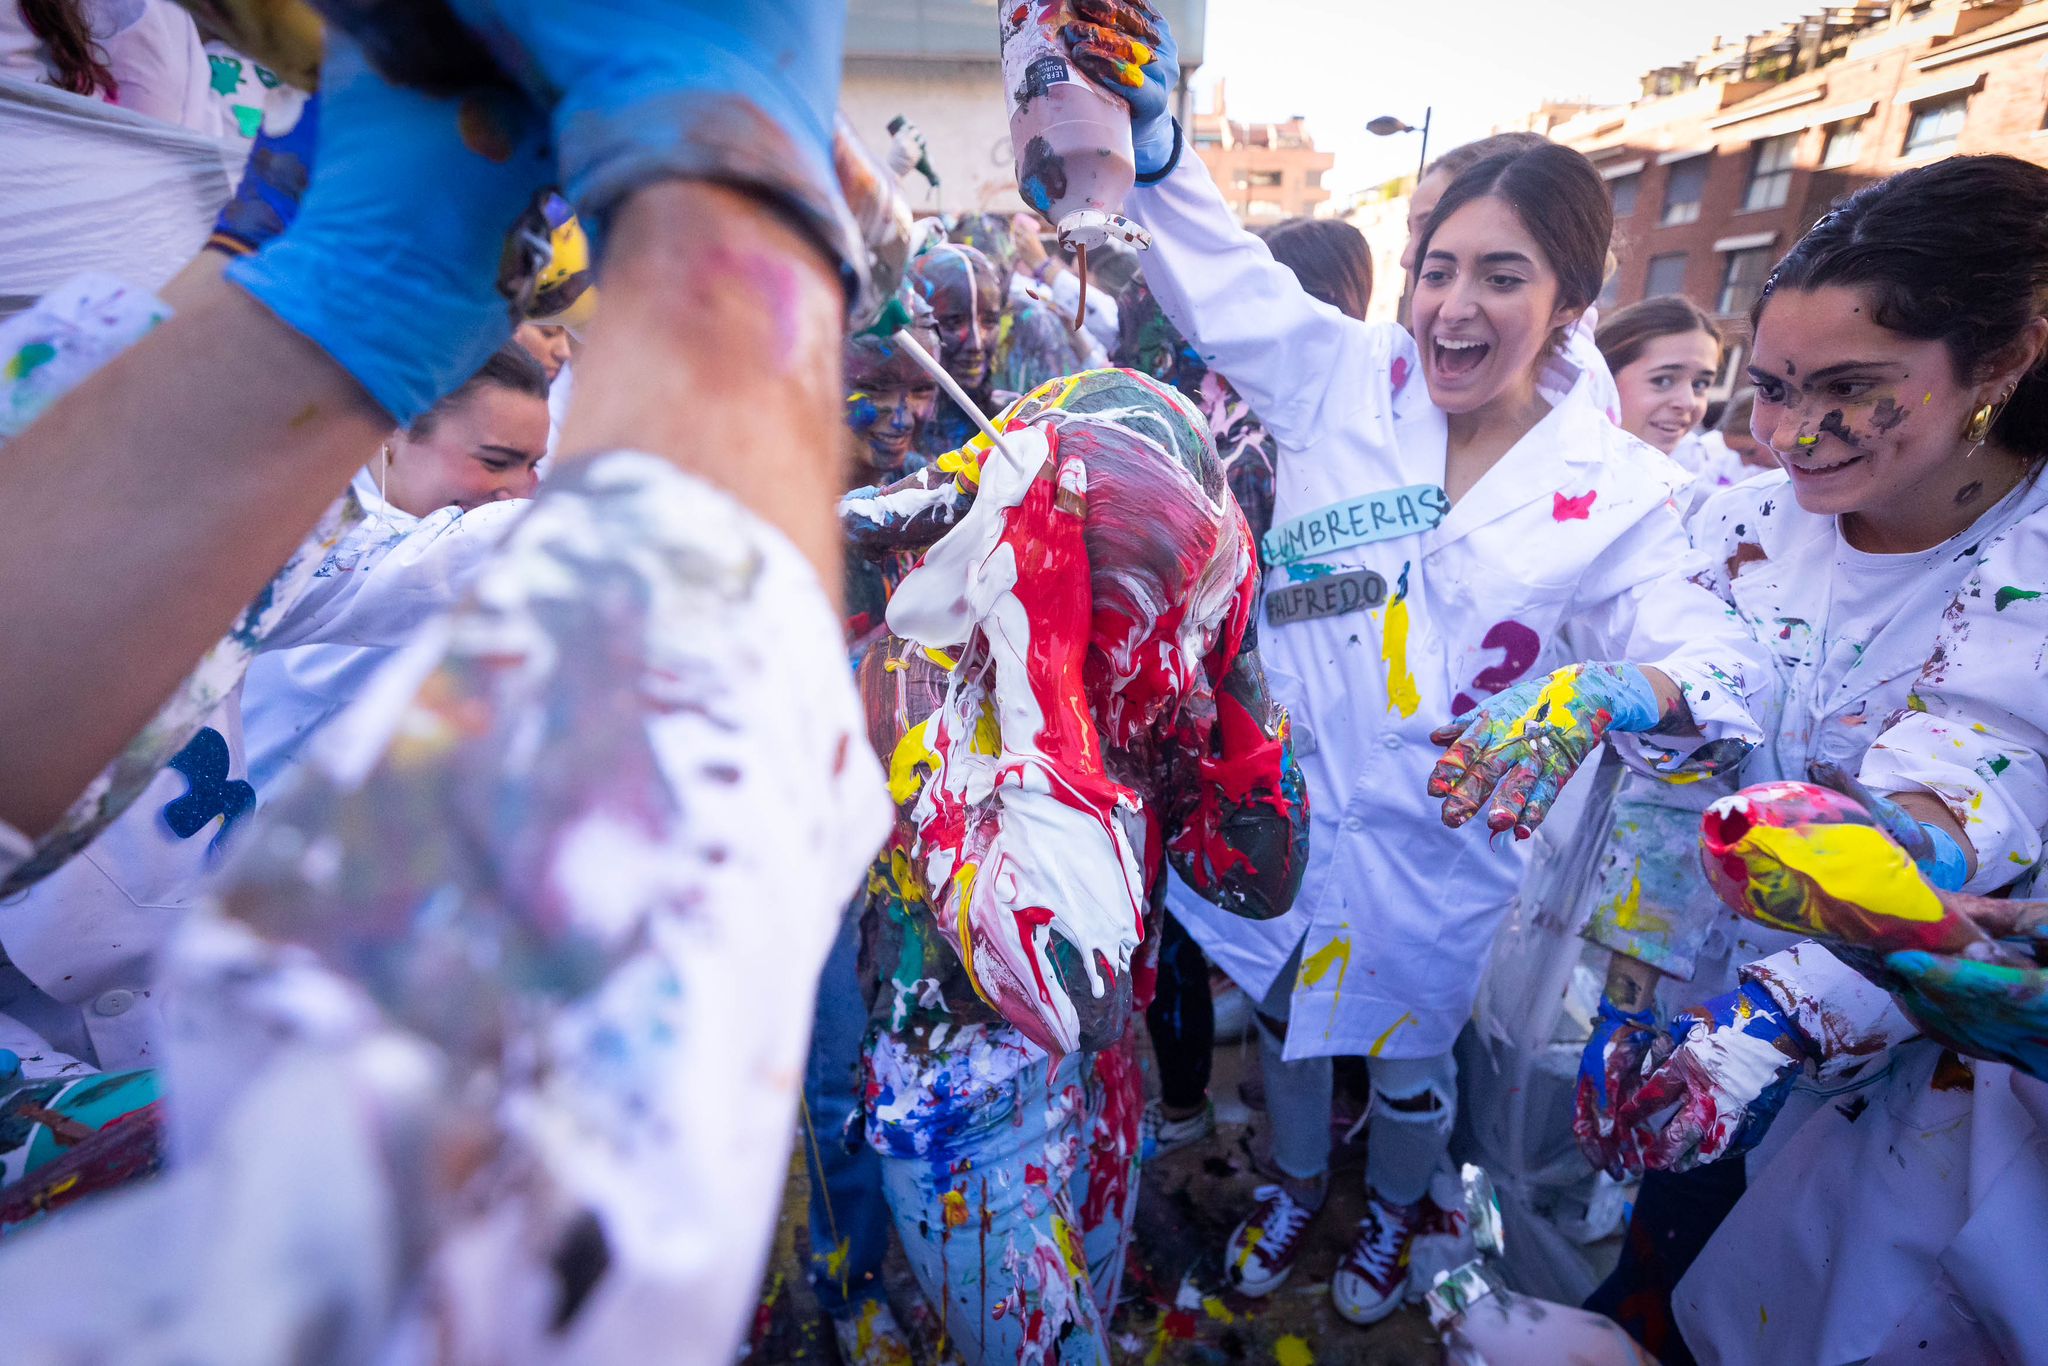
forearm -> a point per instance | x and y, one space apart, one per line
142 513
718 351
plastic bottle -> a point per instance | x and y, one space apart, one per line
1072 138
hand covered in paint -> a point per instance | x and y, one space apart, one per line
1933 850
1727 1065
1984 1010
741 93
273 182
1126 47
1521 746
1609 1070
391 266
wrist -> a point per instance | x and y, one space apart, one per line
1157 152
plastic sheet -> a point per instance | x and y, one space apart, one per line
89 186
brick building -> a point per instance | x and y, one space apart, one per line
1267 171
1727 159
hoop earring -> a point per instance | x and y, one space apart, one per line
1979 425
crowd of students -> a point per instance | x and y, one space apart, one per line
489 766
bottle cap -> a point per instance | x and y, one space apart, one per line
1093 228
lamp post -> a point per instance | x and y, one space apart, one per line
1386 126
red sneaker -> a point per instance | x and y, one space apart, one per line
1372 1279
1261 1252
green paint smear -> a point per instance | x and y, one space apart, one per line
2000 765
2008 596
29 359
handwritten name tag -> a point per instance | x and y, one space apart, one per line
1358 521
1330 596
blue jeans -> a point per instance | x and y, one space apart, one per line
849 1217
1012 1182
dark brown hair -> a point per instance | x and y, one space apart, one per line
1955 252
1561 201
1329 257
1458 158
81 63
511 367
1624 333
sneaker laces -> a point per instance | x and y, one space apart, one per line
1281 1218
1383 1239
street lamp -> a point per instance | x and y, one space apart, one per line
1386 126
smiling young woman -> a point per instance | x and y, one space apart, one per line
1664 353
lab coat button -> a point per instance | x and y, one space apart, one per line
115 1002
1392 742
1354 822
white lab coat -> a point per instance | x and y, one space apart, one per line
1568 549
78 984
1836 689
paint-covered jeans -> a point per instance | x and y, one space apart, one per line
848 1216
1012 1182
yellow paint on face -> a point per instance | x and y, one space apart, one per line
1379 1044
1855 864
1809 440
1402 694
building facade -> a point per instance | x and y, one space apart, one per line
1267 171
936 63
1726 160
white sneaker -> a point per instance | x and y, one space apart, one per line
870 1336
1262 1249
1158 1135
1372 1279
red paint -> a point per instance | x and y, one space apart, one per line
1399 373
1563 509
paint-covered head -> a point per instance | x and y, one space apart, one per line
966 298
1663 353
889 397
989 234
478 445
1917 303
1514 253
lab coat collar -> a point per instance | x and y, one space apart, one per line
1558 457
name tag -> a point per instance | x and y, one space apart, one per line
1331 596
1359 521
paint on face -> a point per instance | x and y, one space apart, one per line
889 400
1486 304
966 300
1808 860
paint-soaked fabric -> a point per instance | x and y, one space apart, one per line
490 950
64 1139
1849 636
1013 1182
849 1216
1973 732
1566 550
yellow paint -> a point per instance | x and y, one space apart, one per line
912 753
1217 1309
1070 1249
1402 694
835 1260
1252 1235
954 1203
1809 440
1292 1351
1317 965
988 731
1407 1017
1628 909
941 658
1855 864
963 894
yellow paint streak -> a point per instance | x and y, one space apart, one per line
1292 1351
1217 1309
835 1260
954 1203
912 753
988 731
1402 694
941 658
1855 864
1628 909
1379 1044
1063 1233
1251 1240
1318 964
963 894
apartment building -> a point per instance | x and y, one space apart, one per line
1267 171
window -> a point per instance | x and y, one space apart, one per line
1935 127
1315 180
1845 140
1270 179
1770 173
1666 275
1742 278
1686 181
1623 188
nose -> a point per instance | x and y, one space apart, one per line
1778 428
1460 302
524 484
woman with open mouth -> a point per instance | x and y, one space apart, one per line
1451 530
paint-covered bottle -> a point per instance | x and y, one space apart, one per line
1072 138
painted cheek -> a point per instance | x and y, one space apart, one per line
861 413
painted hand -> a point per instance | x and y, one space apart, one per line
1932 849
1985 1010
1521 746
274 181
1727 1065
412 203
1609 1070
1811 861
1126 47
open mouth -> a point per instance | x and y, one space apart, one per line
1455 357
1812 468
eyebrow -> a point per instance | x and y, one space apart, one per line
1839 368
1491 258
509 452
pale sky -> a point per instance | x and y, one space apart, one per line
1479 63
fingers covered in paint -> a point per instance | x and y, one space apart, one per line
1109 56
1136 20
1736 1057
1983 1010
1610 1069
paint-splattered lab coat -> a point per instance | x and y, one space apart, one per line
1387 612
